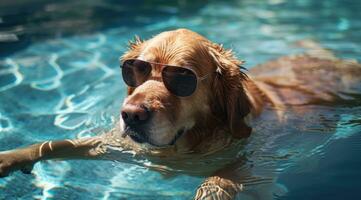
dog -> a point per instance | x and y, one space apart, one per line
189 97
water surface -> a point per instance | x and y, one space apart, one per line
59 79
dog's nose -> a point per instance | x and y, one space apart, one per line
135 114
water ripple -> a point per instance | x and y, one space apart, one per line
71 86
10 77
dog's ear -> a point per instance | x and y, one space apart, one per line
230 100
135 47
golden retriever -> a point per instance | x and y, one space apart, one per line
188 96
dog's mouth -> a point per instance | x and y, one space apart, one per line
141 137
177 136
137 139
136 135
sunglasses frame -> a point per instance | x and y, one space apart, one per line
163 66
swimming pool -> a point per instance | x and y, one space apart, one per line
59 79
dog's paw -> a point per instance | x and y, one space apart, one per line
26 169
5 165
217 188
13 161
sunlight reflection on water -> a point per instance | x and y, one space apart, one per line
70 86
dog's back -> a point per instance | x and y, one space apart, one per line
306 79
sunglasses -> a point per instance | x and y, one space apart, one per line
180 81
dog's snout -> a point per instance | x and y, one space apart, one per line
135 114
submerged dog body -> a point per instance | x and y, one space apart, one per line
168 129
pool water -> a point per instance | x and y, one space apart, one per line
60 79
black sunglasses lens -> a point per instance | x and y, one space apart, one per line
135 72
179 81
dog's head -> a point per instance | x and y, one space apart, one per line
154 115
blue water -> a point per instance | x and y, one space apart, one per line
59 78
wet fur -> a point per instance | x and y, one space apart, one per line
226 105
232 97
217 115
